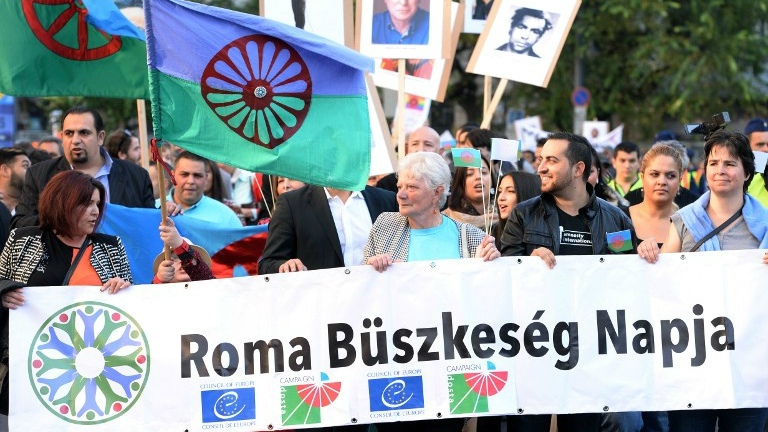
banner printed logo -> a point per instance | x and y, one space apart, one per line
89 363
228 405
389 394
300 404
468 393
260 87
83 41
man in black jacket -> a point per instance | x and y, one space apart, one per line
83 135
567 219
305 233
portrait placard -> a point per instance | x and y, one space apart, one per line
403 29
383 157
476 15
319 17
523 40
423 77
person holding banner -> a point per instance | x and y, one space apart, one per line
515 187
725 218
419 231
63 250
567 219
660 172
470 191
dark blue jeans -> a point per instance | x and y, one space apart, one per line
727 420
635 421
589 422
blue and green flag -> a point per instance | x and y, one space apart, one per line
466 157
620 241
70 48
258 94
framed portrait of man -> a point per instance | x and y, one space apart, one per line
523 40
331 19
403 29
423 77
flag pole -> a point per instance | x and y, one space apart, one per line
493 204
482 192
163 208
399 124
161 166
141 113
488 114
263 198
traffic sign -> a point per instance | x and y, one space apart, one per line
580 96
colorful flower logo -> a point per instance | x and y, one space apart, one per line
260 87
89 363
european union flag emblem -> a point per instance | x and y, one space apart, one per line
228 405
388 394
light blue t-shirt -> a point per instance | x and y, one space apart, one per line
440 242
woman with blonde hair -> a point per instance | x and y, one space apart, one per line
660 172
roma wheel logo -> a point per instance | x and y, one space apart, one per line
60 25
89 363
260 87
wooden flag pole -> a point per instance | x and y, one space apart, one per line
488 115
163 209
482 192
141 112
400 121
493 204
487 90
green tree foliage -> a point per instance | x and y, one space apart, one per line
650 61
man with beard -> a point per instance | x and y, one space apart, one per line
13 166
83 135
566 219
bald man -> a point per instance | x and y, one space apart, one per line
423 139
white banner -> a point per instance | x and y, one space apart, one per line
423 340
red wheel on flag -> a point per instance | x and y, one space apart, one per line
467 157
260 87
66 32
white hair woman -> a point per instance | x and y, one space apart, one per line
419 231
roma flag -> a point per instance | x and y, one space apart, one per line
68 48
258 94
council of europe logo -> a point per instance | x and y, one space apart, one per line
89 363
228 405
389 394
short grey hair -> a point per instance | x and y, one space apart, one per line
430 167
675 144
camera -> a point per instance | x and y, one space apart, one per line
707 128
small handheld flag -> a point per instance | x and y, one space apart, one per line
466 157
505 150
447 140
620 241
